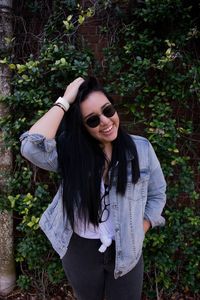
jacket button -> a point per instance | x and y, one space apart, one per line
119 253
119 273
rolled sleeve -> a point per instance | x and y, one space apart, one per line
40 151
156 197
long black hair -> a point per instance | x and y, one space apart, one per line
82 160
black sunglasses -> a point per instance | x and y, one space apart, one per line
94 120
105 212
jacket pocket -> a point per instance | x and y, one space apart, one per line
138 191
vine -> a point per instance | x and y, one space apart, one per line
152 63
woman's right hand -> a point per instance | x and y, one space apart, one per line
72 90
48 124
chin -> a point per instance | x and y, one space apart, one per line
109 139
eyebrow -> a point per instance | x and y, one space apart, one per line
106 104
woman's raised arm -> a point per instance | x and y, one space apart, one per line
48 124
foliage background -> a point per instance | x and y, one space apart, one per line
151 67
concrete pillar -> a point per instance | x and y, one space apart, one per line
7 266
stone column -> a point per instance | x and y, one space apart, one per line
7 266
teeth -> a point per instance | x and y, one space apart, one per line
108 129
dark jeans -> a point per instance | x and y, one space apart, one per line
91 273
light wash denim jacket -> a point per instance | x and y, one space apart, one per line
143 200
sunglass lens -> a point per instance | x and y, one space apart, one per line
93 121
109 111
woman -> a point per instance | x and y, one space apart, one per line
112 192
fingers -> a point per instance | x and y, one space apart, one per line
78 80
72 89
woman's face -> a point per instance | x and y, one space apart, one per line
94 105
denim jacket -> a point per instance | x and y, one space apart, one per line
143 200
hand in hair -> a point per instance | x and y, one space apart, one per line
72 90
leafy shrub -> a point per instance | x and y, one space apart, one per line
36 84
153 64
172 255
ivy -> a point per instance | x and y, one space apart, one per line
36 84
152 62
173 251
155 64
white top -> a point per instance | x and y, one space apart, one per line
105 230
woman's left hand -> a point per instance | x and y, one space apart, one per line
146 225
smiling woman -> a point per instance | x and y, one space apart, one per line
100 118
112 191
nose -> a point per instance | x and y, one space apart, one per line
103 119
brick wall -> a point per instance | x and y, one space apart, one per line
90 35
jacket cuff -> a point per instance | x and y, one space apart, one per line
46 145
160 221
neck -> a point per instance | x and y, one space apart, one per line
107 149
